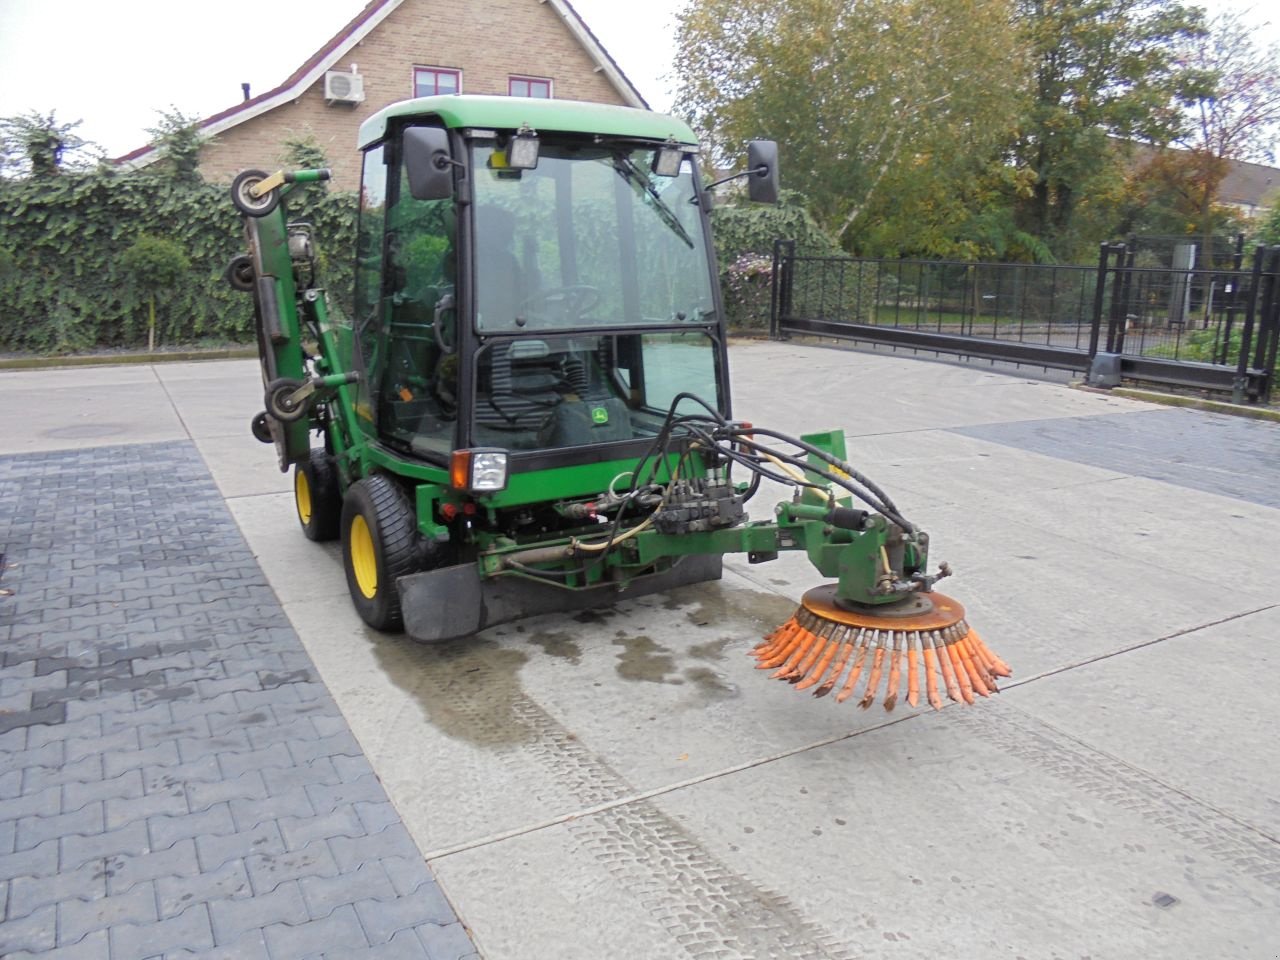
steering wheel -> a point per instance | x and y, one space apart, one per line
573 301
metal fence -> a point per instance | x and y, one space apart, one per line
1211 328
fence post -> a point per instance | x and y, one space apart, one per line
1099 297
1246 332
784 252
1269 326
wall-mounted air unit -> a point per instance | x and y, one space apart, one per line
343 87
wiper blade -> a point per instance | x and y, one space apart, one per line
633 175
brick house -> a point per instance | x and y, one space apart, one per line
396 49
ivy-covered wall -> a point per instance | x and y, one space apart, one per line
64 281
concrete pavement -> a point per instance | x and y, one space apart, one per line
622 783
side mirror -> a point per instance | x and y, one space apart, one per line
762 164
427 163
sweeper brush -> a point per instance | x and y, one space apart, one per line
925 639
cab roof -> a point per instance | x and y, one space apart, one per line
510 113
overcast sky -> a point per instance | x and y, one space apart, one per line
113 63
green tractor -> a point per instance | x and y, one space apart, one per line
528 408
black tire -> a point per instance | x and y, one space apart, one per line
246 202
278 403
379 545
317 497
261 429
240 273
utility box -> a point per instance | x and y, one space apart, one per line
1104 371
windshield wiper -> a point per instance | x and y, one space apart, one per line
628 170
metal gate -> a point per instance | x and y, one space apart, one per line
1208 328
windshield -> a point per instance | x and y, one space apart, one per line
589 238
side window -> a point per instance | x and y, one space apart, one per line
417 379
373 221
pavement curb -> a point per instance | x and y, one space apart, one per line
1270 414
116 359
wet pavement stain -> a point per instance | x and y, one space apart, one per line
559 644
468 689
709 684
644 660
712 650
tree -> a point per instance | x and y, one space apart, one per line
870 102
40 146
1234 110
154 266
178 140
1102 69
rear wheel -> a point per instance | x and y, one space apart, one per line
378 546
317 497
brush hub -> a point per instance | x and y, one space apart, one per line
919 611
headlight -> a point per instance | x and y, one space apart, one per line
480 470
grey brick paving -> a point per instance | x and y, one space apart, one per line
176 781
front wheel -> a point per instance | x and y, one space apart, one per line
378 547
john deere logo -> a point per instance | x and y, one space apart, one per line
599 415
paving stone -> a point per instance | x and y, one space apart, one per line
124 871
48 755
154 733
29 894
317 772
85 821
215 821
337 932
407 873
405 945
329 797
285 803
324 894
35 932
351 769
167 803
52 713
232 741
268 870
234 764
252 946
301 728
392 842
342 822
162 754
232 918
382 918
247 786
446 942
228 882
79 917
95 946
376 817
35 803
214 851
76 794
129 840
118 741
339 744
83 770
39 861
186 931
205 770
119 713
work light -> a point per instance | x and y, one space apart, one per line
478 470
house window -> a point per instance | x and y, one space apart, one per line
529 87
429 81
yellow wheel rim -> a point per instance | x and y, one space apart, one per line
302 497
364 560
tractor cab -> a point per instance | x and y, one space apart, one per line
535 279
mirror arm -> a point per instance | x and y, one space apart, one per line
761 171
